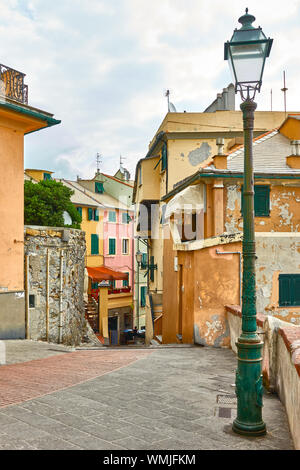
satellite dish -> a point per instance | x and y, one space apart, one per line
172 108
67 218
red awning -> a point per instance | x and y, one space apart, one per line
105 274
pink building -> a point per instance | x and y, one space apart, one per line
118 243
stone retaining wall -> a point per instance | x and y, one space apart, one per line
281 361
54 282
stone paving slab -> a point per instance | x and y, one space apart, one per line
23 381
170 399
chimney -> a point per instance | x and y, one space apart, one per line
220 160
293 160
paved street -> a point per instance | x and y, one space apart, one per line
173 399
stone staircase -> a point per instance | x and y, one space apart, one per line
91 314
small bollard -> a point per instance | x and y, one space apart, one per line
2 353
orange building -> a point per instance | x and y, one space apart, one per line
17 119
202 264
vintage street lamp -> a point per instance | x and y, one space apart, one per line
247 52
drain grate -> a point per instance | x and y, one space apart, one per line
226 399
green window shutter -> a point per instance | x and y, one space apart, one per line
47 176
289 290
164 156
126 283
96 215
94 244
94 285
99 188
124 218
79 210
262 201
143 296
112 246
112 216
151 268
144 261
90 213
296 290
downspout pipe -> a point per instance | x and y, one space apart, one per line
60 297
218 252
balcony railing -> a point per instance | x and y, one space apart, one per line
12 84
120 290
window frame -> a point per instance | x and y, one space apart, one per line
292 302
257 212
128 247
109 246
115 217
93 237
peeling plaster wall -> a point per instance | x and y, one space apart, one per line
216 284
284 209
276 254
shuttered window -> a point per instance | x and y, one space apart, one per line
144 261
261 200
96 215
143 296
126 282
90 213
112 216
125 246
289 290
79 210
151 267
112 246
94 244
99 188
47 176
164 156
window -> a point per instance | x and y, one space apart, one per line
112 284
125 246
79 210
164 156
94 285
112 216
143 296
289 290
47 176
126 283
261 200
99 188
93 214
94 244
144 261
152 268
112 246
125 218
31 301
140 174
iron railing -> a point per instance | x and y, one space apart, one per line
12 84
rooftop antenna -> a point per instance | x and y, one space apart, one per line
171 107
284 89
99 161
271 99
167 94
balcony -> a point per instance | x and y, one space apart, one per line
12 85
121 290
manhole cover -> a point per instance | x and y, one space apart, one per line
227 399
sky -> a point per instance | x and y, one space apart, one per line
103 66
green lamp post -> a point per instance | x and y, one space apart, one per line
247 52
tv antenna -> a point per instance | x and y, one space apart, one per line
99 161
171 107
284 89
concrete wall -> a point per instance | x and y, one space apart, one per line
53 306
281 362
12 315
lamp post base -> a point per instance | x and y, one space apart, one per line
254 430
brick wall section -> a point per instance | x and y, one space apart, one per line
290 336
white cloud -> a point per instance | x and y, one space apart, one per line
102 67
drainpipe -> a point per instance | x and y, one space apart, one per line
27 317
47 296
60 296
240 268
